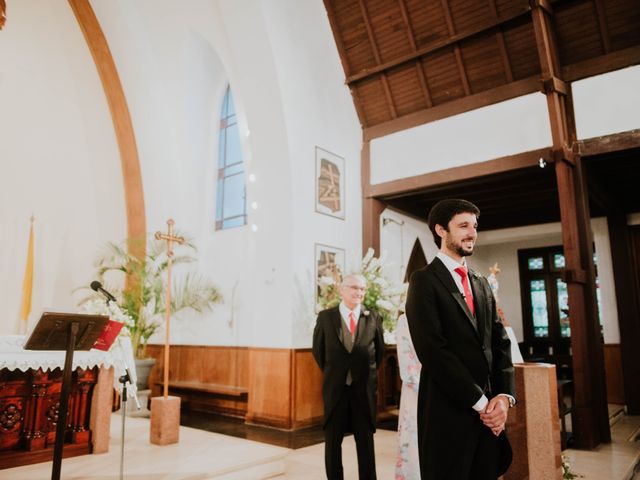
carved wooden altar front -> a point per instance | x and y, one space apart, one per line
29 403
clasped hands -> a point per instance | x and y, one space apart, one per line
494 415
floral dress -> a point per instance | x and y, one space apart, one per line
407 463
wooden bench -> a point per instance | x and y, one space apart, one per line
209 397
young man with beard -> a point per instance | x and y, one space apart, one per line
467 383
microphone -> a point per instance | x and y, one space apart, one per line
97 286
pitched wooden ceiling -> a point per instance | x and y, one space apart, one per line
420 60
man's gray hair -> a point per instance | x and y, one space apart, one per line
354 276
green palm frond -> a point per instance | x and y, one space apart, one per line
144 302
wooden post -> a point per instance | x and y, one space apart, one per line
590 416
372 208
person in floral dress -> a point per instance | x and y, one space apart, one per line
407 462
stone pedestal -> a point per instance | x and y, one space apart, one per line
101 402
165 420
533 425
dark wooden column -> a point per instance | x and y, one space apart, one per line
625 264
372 208
590 416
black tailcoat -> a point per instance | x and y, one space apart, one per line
335 361
462 357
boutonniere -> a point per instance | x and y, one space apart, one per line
365 313
474 274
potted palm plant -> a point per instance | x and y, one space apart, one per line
140 288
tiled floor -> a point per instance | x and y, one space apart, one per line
201 455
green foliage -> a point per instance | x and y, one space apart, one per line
382 295
144 297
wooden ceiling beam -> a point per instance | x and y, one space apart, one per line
456 47
454 107
376 55
602 24
456 174
424 84
610 143
502 46
605 63
435 46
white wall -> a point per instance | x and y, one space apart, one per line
59 159
513 126
397 240
607 103
288 86
318 111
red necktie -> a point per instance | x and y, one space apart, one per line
465 286
352 324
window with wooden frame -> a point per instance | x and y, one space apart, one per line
545 303
231 205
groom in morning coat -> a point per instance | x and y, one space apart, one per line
348 346
467 381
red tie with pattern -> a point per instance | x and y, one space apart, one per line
465 286
352 324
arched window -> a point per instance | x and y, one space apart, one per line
231 202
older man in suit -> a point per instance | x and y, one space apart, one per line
348 346
467 382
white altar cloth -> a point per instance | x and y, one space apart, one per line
14 357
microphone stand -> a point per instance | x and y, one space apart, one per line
124 379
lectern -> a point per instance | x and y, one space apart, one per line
67 332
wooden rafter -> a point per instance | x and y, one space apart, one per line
424 84
376 55
435 46
504 55
602 24
456 48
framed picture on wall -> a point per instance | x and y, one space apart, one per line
330 184
329 267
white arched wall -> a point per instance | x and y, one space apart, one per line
60 160
288 87
174 64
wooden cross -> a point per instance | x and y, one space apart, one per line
170 238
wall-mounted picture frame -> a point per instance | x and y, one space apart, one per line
329 266
330 184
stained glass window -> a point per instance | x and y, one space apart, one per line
231 208
536 263
558 261
563 308
539 308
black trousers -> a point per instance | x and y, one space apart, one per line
486 458
350 415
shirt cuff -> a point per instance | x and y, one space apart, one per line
512 400
481 404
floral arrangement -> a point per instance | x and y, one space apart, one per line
567 474
383 295
112 310
142 299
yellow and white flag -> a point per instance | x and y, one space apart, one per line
27 284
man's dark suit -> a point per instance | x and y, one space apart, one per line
353 407
462 357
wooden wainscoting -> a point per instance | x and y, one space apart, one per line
276 387
208 378
285 388
613 373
